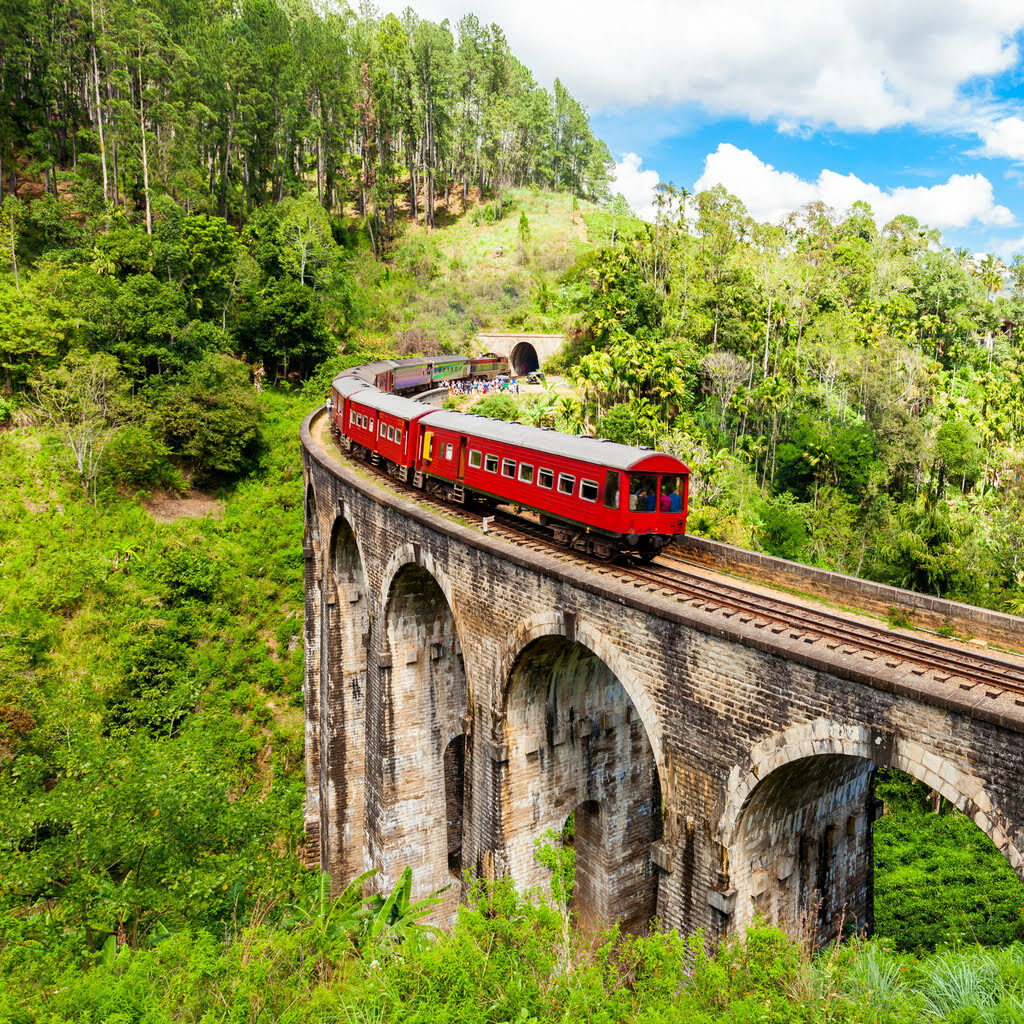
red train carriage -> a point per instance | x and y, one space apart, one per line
385 426
379 374
595 495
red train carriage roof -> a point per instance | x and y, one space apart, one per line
395 405
571 446
346 386
368 371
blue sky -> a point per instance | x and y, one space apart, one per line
916 106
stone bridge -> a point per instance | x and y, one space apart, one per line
464 696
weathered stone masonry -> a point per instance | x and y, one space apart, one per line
464 696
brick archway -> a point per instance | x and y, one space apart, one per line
425 704
796 832
572 738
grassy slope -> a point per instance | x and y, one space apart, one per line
448 284
151 681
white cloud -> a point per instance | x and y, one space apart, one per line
1006 249
1004 137
770 195
635 185
855 64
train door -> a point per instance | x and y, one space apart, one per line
461 475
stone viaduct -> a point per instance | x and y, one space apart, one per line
464 696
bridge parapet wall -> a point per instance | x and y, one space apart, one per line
923 609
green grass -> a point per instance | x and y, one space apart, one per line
938 878
445 286
150 696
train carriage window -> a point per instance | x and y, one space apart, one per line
566 483
475 458
588 490
448 450
352 417
643 493
370 425
491 463
508 468
611 489
671 499
398 435
526 472
382 428
546 478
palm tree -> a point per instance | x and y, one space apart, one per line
991 273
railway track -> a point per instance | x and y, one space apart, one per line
951 665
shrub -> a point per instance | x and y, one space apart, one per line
498 407
211 419
134 458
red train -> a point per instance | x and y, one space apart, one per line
594 495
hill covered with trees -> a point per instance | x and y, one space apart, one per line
226 108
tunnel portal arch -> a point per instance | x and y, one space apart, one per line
575 741
524 359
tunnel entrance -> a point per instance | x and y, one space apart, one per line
524 359
576 743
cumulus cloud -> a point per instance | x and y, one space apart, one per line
636 186
854 64
1003 137
770 195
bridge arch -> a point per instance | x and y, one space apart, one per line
797 826
573 741
342 705
413 554
311 527
559 624
425 709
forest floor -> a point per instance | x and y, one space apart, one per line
169 508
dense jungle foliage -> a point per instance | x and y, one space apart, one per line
846 396
206 210
229 107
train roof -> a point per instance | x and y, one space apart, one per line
447 359
394 405
348 384
368 371
587 449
